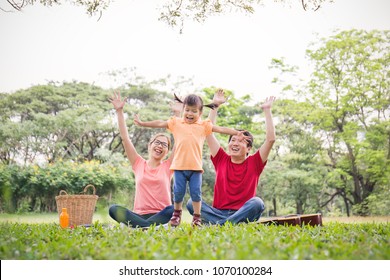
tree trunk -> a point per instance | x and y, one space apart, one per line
299 207
274 205
357 192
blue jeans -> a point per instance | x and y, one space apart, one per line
194 179
124 215
249 212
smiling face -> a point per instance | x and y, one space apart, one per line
191 114
159 147
238 150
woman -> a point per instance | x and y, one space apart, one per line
152 202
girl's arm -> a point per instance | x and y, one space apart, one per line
118 104
153 124
225 130
229 131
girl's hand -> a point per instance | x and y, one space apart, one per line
137 121
242 137
219 97
268 102
116 100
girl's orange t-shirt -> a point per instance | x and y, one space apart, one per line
189 140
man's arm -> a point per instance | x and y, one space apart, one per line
212 142
270 135
176 109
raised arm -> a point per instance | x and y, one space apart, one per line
270 135
118 104
212 142
218 99
176 109
153 124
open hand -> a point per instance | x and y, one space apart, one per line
268 102
137 121
219 97
242 137
116 100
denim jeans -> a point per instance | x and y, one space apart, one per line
124 215
194 179
249 212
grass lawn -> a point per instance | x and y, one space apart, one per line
38 236
104 218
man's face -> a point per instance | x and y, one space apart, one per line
238 148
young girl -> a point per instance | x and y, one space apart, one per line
189 133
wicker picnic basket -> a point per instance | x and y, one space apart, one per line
80 207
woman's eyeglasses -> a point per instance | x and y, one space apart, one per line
159 143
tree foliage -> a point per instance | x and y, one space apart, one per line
173 12
332 152
347 109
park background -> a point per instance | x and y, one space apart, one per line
329 69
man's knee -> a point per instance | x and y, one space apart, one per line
257 204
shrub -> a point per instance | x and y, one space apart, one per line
38 185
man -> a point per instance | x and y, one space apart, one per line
237 173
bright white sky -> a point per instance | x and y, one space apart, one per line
231 51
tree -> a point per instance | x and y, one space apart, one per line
173 12
349 94
295 178
345 106
53 122
92 7
176 12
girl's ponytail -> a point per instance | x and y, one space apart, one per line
193 99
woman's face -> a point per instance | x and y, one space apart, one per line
158 149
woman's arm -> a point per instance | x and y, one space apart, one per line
118 104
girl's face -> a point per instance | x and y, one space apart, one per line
191 114
158 149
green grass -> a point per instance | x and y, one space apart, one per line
32 218
20 240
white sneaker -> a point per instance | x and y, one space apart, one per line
166 226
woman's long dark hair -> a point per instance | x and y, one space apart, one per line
195 100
